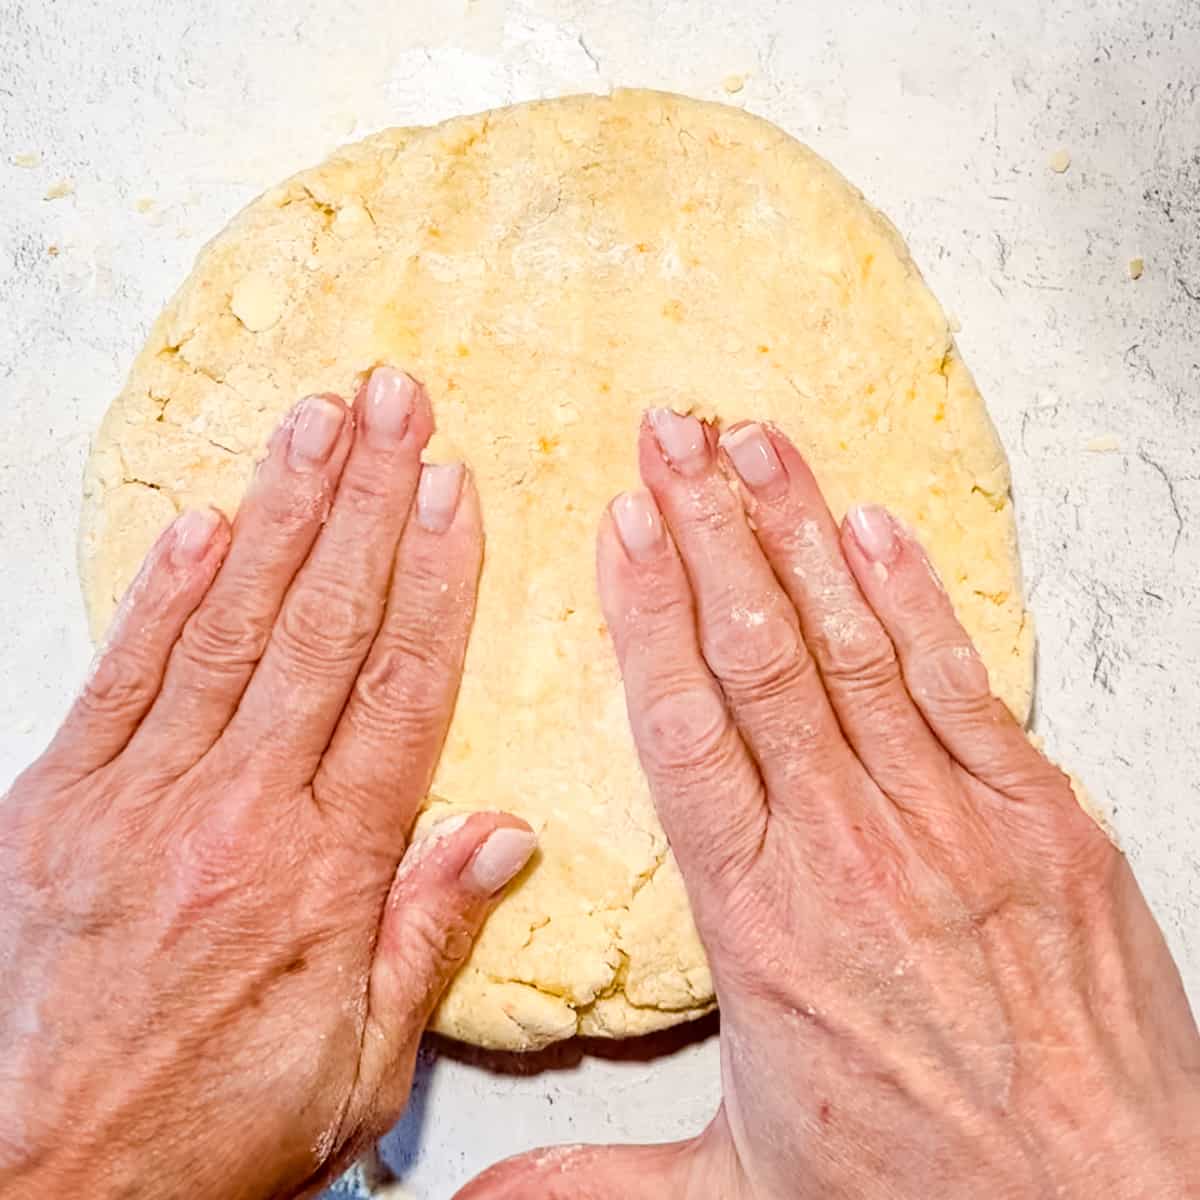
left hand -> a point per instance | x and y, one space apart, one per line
213 978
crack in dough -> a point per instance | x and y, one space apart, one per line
550 270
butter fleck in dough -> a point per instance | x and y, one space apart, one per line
550 270
258 300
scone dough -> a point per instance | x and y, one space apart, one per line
550 270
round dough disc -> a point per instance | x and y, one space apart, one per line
551 270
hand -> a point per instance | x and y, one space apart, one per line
214 977
937 976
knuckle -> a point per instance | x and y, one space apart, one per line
123 682
284 512
660 608
1009 767
859 655
949 675
210 865
431 589
661 601
709 521
686 730
405 684
230 634
367 490
224 850
749 649
213 859
325 622
441 940
1010 761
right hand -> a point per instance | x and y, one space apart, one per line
937 976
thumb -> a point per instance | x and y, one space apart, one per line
596 1173
446 885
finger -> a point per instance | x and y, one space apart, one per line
597 1173
225 637
705 786
128 672
855 656
942 670
380 762
333 609
749 632
444 889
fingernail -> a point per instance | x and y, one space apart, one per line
315 431
389 404
638 524
681 439
193 536
875 532
437 495
498 860
753 456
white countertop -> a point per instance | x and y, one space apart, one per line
159 121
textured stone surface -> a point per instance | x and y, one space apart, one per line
166 119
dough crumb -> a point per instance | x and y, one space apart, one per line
351 220
144 204
24 726
1136 267
1060 161
1105 443
258 301
441 449
733 84
26 160
59 190
53 250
